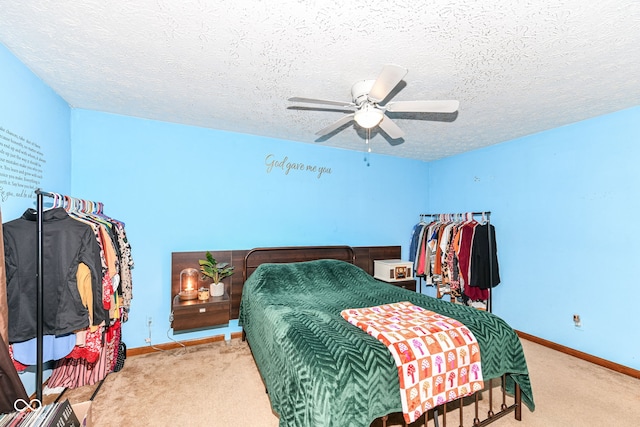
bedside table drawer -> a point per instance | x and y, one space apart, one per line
404 284
200 315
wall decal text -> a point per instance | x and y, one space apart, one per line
21 162
287 166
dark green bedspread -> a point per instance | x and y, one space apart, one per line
320 370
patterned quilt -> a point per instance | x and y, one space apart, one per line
438 358
321 371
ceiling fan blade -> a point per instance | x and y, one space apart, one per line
321 101
335 125
327 108
389 78
390 128
423 106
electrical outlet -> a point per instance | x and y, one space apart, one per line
147 340
577 321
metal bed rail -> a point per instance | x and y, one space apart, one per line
470 406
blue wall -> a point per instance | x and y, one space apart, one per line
31 110
182 188
565 204
33 118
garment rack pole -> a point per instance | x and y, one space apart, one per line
39 291
488 213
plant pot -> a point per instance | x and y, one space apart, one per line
217 289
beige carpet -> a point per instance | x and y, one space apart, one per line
207 385
218 385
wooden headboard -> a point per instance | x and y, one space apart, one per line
258 256
246 261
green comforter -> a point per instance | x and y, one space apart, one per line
320 370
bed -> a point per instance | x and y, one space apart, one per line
319 370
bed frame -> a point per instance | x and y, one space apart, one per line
468 408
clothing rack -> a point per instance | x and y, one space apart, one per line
485 214
40 277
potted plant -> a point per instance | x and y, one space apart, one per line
215 271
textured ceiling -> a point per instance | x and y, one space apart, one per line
517 67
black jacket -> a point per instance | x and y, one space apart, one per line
66 243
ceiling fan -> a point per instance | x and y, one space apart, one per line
367 96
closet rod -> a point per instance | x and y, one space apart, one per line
459 213
45 193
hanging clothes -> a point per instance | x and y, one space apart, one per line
417 249
457 255
74 372
451 259
415 239
92 289
90 362
464 252
485 272
66 243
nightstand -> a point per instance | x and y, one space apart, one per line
404 284
195 314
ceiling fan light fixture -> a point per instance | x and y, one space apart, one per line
368 116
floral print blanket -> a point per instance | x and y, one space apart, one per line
438 358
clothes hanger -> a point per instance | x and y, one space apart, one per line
470 218
56 198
